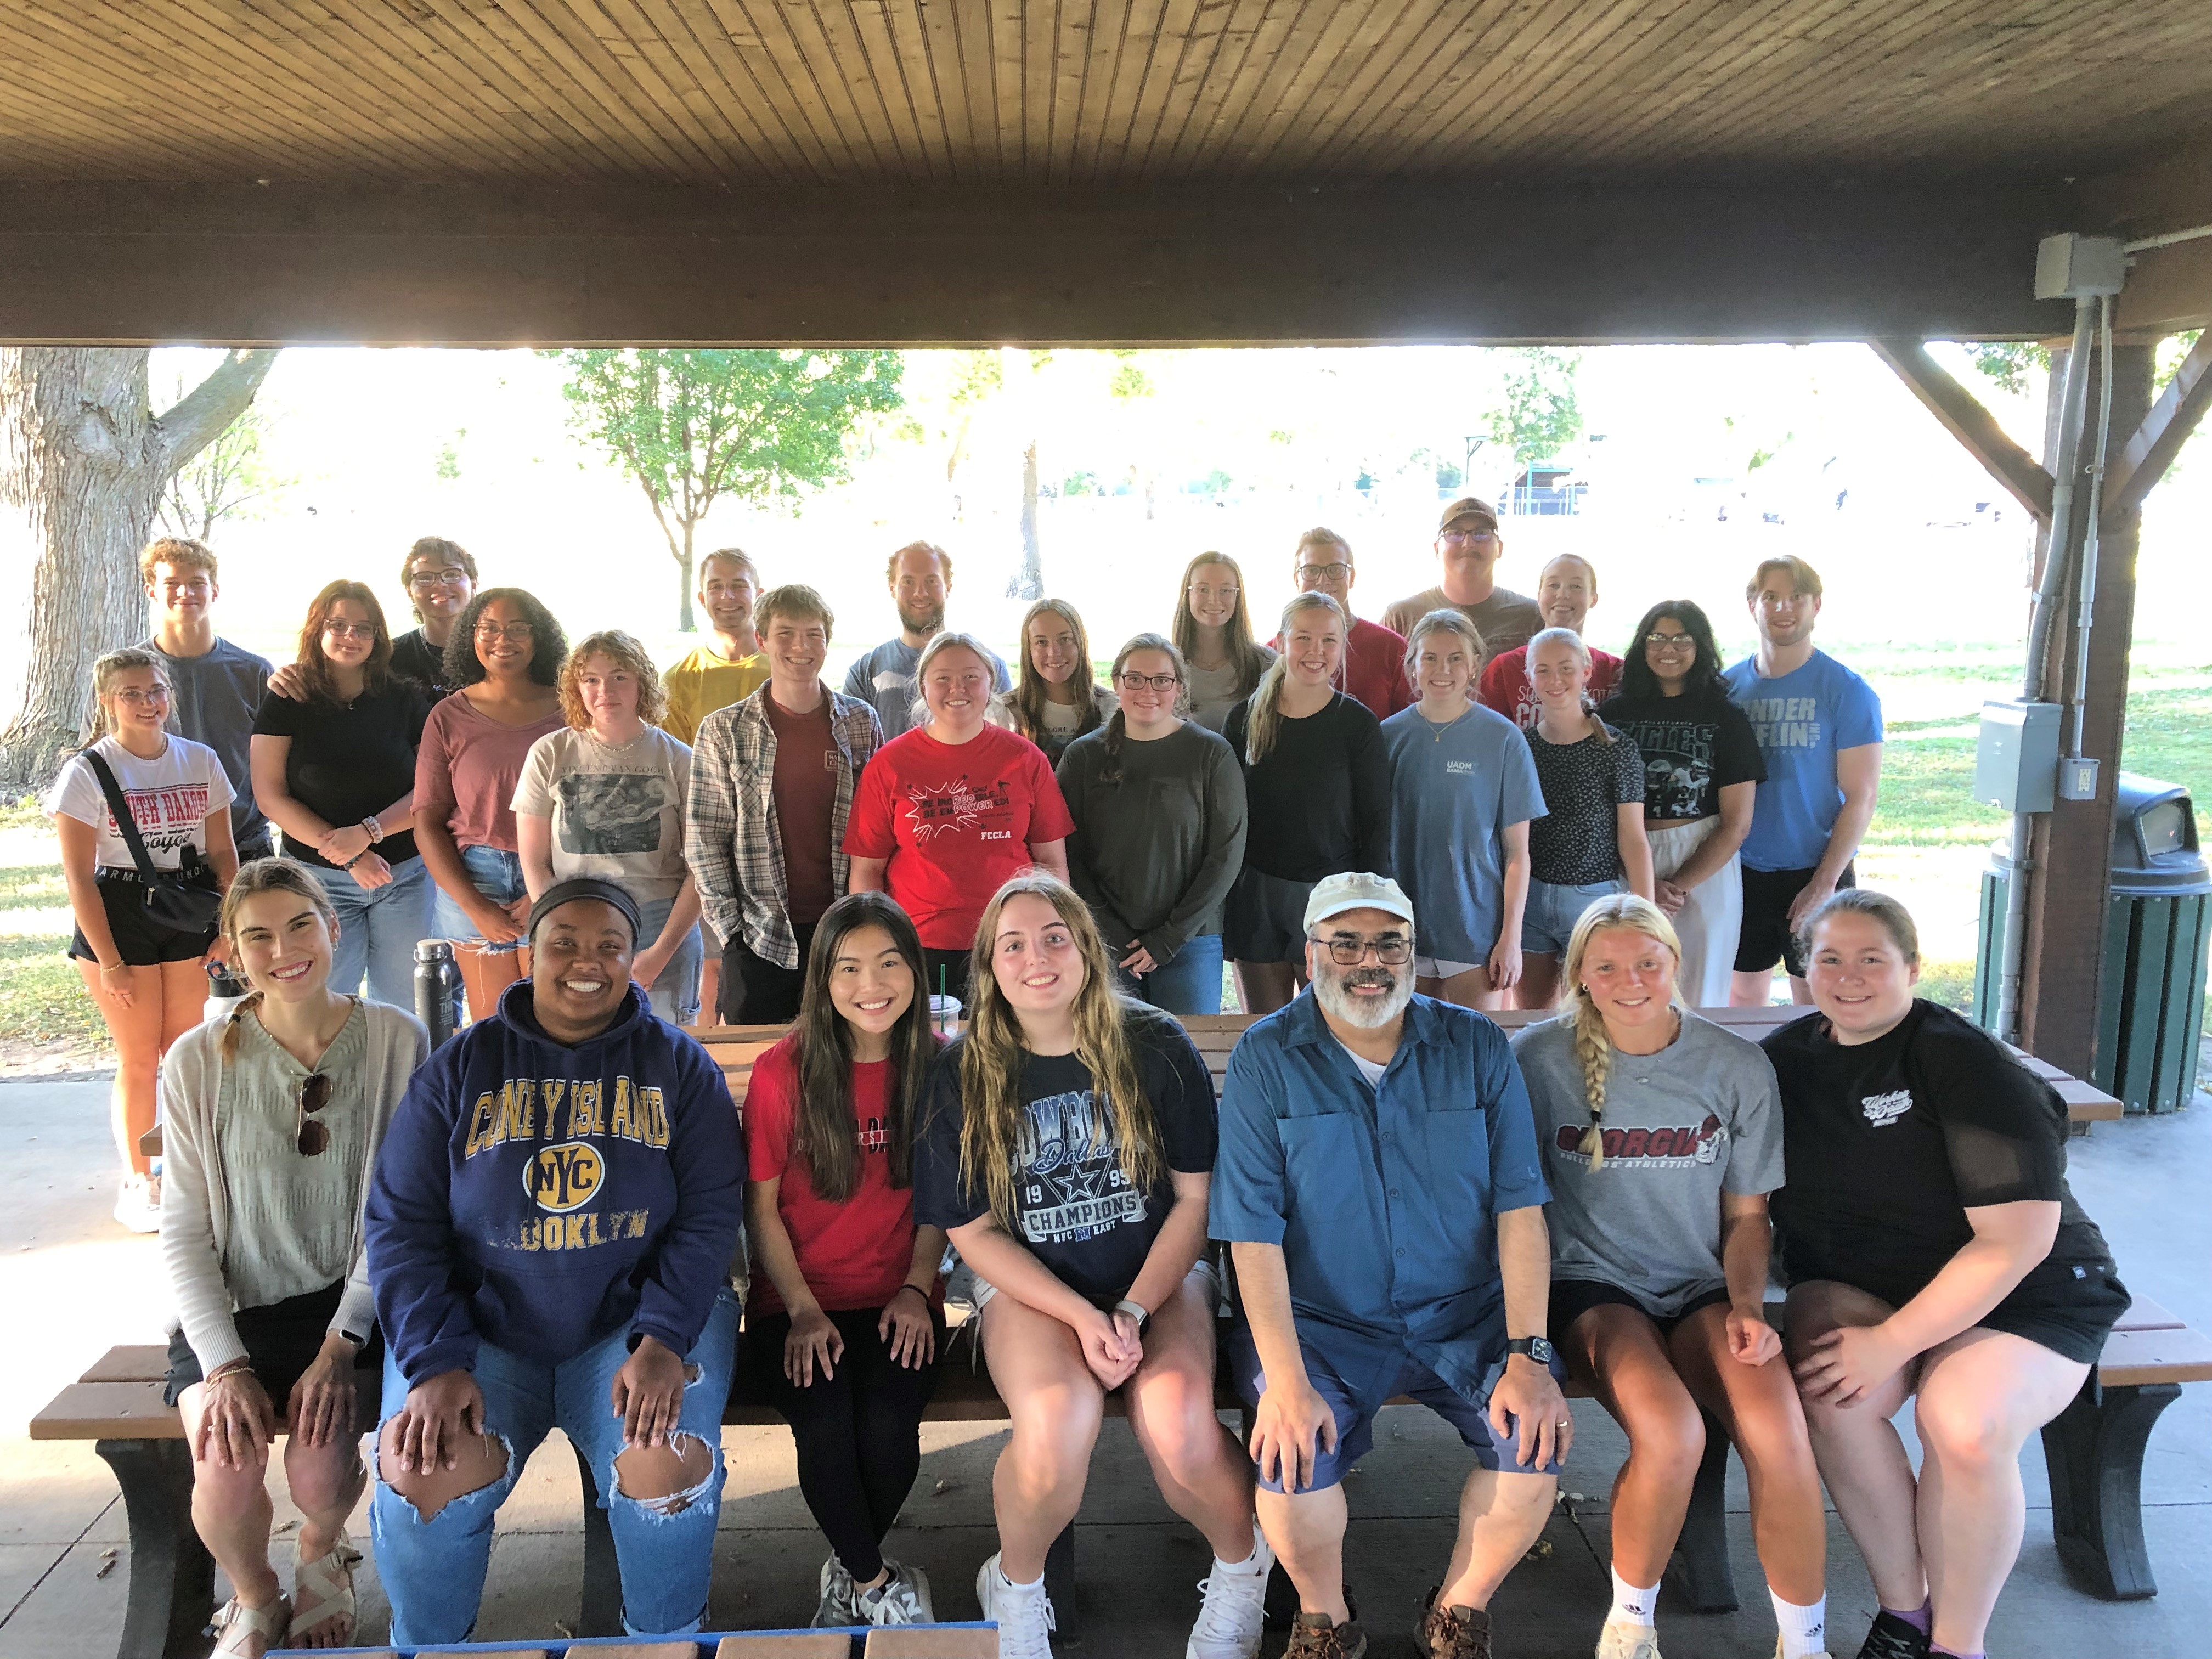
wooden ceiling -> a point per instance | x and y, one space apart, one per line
985 93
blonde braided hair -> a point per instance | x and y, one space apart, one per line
1593 1048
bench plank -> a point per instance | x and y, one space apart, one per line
2168 1354
130 1363
109 1410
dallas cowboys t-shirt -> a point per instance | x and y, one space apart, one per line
1075 1211
1800 719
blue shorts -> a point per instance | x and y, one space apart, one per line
1355 1416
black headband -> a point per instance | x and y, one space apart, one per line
584 887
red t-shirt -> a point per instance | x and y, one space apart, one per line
853 1255
806 793
1504 685
1374 672
955 821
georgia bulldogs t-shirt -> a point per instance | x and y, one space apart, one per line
169 798
955 821
1077 1212
1889 1143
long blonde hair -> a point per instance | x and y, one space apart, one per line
1567 636
1030 694
1244 651
994 1120
1262 718
269 875
1637 914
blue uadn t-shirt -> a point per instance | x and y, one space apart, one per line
1456 789
1800 719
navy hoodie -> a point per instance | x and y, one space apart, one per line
539 1197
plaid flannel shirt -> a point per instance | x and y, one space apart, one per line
731 837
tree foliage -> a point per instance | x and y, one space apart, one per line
2009 363
1537 414
231 476
690 426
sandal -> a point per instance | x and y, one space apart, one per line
322 1595
236 1625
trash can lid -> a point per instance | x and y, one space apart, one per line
2154 847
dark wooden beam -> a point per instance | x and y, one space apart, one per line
2145 457
1964 417
2170 289
1254 264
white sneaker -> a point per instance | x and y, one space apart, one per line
901 1599
138 1204
1235 1605
1023 1615
1622 1641
839 1608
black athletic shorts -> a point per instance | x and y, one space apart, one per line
2068 1307
1265 918
1573 1297
139 941
1765 937
281 1340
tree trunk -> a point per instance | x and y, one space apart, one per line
1029 580
84 460
685 622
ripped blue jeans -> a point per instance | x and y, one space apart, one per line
433 1570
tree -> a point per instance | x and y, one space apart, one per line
2009 363
1537 414
224 479
84 459
693 426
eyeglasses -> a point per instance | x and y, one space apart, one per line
1142 682
1223 595
1334 572
439 578
314 1135
1670 641
133 697
1478 536
349 631
515 632
1394 951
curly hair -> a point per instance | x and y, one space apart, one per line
315 666
549 645
624 652
1593 1046
178 552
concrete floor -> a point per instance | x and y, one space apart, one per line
74 1284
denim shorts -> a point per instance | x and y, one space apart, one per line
1553 911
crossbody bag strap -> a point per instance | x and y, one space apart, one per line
119 807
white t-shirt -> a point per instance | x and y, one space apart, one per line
169 796
617 813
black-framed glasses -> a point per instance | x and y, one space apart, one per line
1394 951
1670 641
516 632
1336 573
1141 682
439 578
314 1135
340 629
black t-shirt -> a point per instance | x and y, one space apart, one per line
1318 803
348 759
1576 842
1694 747
413 658
1886 1144
1078 1215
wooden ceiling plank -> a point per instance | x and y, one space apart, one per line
903 86
542 29
614 41
501 48
843 94
960 56
1248 24
1350 90
1299 111
937 95
1277 38
1106 36
1148 82
1488 55
1434 40
1009 86
693 57
788 80
72 139
779 134
1273 104
1191 62
73 103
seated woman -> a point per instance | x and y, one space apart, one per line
950 808
845 1320
1054 700
274 1116
1933 1249
1067 1147
1661 1137
605 797
550 1233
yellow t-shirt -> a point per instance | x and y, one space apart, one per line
703 683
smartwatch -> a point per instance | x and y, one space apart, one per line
1137 1311
1535 1347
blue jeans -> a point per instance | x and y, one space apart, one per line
378 930
675 994
1191 984
433 1571
1549 921
496 875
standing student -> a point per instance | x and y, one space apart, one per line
581 1285
504 660
1213 630
1318 793
1374 656
1662 1135
1701 770
1467 549
144 974
1066 1147
1819 727
440 579
948 811
215 687
726 667
1463 789
1566 593
334 769
772 783
1590 841
1158 806
921 576
845 1321
1935 1252
1054 700
605 796
274 1115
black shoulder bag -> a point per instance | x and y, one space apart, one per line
186 900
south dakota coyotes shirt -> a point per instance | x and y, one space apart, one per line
1076 1212
540 1197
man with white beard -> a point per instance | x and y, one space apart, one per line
1379 1187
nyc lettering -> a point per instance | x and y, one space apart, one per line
638 1112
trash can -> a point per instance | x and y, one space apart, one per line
2158 922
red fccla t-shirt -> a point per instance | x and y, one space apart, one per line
855 1254
955 821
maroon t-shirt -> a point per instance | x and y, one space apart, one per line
805 796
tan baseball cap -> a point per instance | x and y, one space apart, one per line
1465 507
1356 889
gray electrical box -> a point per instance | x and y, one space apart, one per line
2073 266
2016 764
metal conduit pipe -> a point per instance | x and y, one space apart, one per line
2078 694
2072 408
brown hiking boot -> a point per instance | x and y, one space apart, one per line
1451 1633
1312 1636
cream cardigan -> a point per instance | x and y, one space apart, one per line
196 1234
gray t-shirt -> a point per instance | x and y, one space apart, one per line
1213 693
1455 789
885 677
213 699
617 813
1701 1117
1505 620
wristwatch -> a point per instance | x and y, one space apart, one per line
1137 1311
1534 1348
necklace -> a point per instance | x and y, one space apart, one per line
1437 733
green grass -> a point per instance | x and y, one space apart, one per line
41 998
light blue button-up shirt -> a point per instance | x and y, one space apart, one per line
1384 1199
